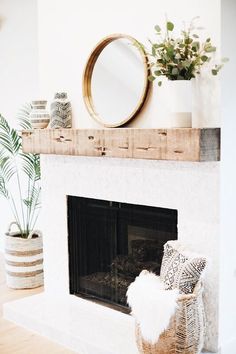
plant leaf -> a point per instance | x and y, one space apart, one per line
210 49
10 140
23 116
158 73
151 78
225 60
204 58
33 200
158 28
3 189
170 26
177 56
153 50
7 168
196 45
31 165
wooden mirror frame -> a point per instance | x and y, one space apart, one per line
87 78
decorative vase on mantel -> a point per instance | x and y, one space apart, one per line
61 116
39 116
180 93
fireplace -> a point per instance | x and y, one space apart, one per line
80 324
111 242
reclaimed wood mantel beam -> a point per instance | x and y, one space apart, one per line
180 144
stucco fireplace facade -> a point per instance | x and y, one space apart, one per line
85 326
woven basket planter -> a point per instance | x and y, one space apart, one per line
24 260
185 334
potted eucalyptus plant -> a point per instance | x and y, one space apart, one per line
20 186
180 60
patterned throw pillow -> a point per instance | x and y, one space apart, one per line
179 270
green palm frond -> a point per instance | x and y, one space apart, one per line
7 168
31 165
3 189
24 203
34 199
23 117
10 140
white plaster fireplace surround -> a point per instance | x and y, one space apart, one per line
89 328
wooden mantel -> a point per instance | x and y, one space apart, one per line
182 144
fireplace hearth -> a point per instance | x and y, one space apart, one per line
110 243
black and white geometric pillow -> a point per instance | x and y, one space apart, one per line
180 271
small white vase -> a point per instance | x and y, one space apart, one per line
180 103
39 116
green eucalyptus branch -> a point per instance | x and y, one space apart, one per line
179 58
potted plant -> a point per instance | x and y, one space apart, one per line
20 186
180 60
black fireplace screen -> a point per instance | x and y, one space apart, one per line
111 242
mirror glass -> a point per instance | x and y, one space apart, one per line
118 82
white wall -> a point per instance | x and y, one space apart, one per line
68 33
228 183
18 65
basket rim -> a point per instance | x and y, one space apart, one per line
13 236
11 239
196 292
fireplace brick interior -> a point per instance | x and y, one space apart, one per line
110 243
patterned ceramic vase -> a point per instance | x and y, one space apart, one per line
61 116
39 116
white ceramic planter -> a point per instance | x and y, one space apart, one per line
180 103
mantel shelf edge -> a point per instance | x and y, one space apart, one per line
180 144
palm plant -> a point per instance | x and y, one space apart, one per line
16 167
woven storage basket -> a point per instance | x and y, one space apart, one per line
185 334
23 260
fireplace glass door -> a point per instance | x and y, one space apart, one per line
110 243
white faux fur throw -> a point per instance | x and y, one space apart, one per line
151 305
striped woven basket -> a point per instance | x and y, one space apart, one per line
185 334
23 260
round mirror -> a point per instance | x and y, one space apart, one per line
115 82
